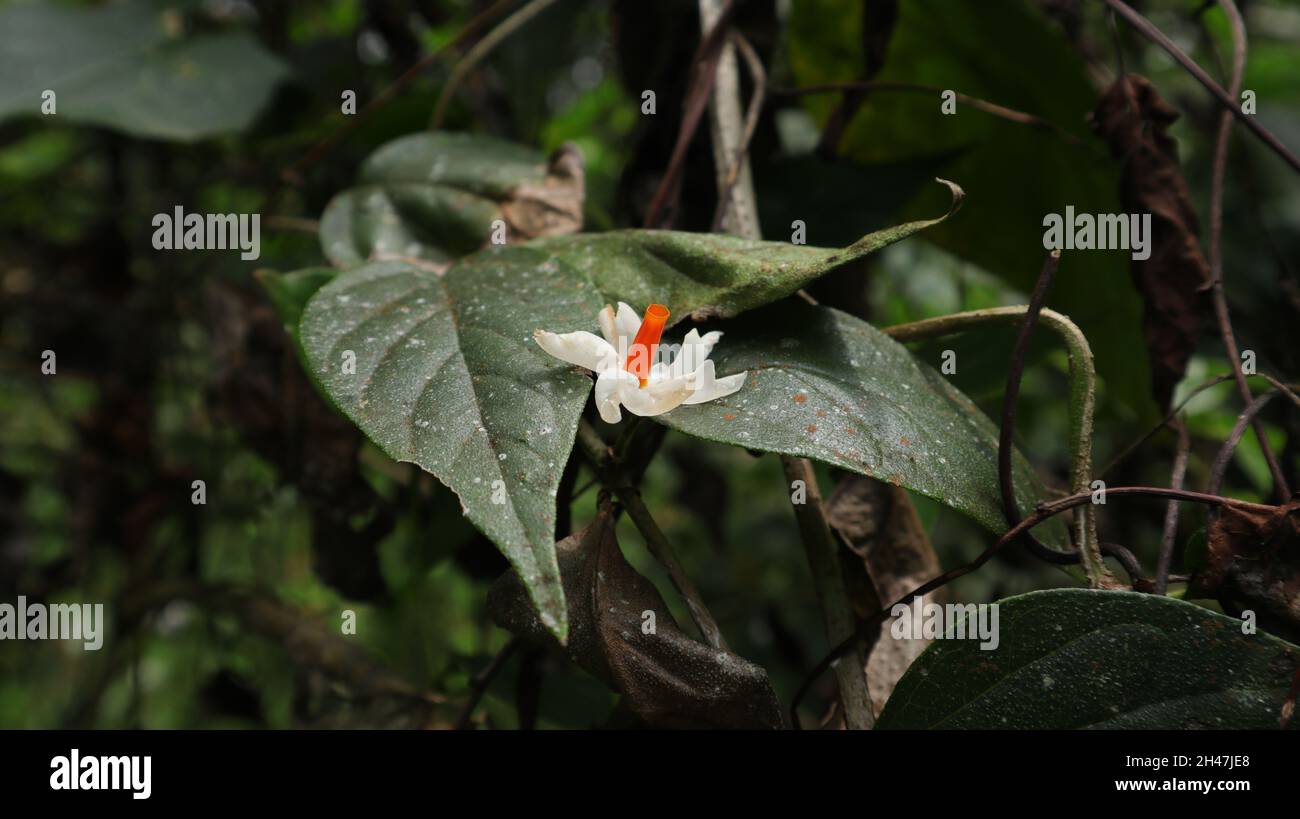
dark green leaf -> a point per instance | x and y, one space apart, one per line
1073 658
128 66
447 376
828 386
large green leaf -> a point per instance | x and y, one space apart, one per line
434 197
447 375
1074 658
127 66
1013 174
826 385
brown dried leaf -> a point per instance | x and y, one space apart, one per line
667 679
1254 557
552 207
894 556
1134 121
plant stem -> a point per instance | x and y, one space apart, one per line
1081 405
1221 315
1170 531
725 117
828 578
480 50
602 459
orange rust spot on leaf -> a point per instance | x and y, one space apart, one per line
821 413
812 428
904 441
729 417
799 398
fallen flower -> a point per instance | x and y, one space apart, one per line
622 362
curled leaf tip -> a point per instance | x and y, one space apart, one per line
958 195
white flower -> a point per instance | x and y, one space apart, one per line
621 362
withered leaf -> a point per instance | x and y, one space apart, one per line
667 679
553 206
1254 558
1134 121
892 553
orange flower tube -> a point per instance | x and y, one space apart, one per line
646 341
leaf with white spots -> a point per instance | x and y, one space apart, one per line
442 371
827 386
1078 658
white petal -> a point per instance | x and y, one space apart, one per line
610 388
607 325
582 348
708 388
626 323
657 397
695 351
660 372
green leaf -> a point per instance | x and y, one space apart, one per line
1013 174
447 377
710 275
1074 658
127 66
434 197
289 292
828 386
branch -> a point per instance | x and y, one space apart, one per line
1171 512
1216 245
1155 35
1230 445
1000 111
480 50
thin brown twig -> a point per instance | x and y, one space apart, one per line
697 101
1170 530
480 50
1041 514
1220 466
1285 389
479 684
1155 35
1011 395
1000 111
1221 315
